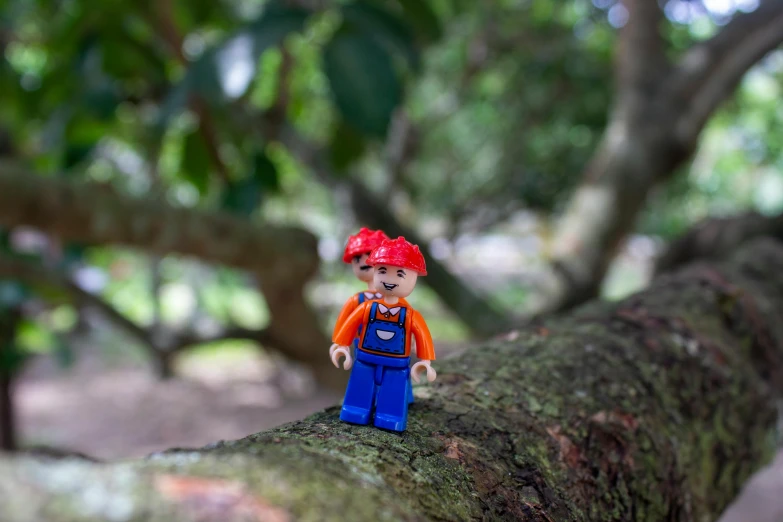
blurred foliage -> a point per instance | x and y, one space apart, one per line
501 103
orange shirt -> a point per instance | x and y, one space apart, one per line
351 305
414 326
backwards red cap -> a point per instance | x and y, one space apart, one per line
398 252
363 243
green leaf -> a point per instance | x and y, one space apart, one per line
195 162
75 153
364 83
265 172
384 26
242 197
420 14
345 146
225 71
101 101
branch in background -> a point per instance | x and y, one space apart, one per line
641 53
717 238
9 321
97 214
275 117
710 71
157 341
652 131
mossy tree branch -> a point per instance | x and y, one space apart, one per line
654 408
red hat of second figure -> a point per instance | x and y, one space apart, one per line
363 243
399 252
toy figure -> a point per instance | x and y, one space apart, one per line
382 370
356 252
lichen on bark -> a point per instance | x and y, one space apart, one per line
655 408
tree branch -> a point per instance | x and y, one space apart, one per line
98 214
36 274
157 341
275 116
709 72
655 408
186 339
717 238
641 53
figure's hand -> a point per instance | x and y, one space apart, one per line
333 348
419 367
342 351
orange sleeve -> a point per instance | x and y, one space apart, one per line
349 306
424 348
347 331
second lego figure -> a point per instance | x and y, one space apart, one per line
379 378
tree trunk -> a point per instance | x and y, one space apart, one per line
655 408
292 318
8 369
654 127
604 208
7 414
164 365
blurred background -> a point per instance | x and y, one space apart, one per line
178 179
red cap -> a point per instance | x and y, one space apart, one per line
398 252
363 243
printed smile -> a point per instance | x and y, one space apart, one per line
388 286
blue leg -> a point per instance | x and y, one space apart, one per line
410 391
391 408
360 394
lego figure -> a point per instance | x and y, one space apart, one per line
356 252
382 369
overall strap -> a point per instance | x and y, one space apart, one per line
361 297
373 309
402 316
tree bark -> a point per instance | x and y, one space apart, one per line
716 238
7 412
654 408
8 426
653 129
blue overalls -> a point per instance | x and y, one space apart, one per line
362 299
379 380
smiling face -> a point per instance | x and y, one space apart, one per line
394 281
361 269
